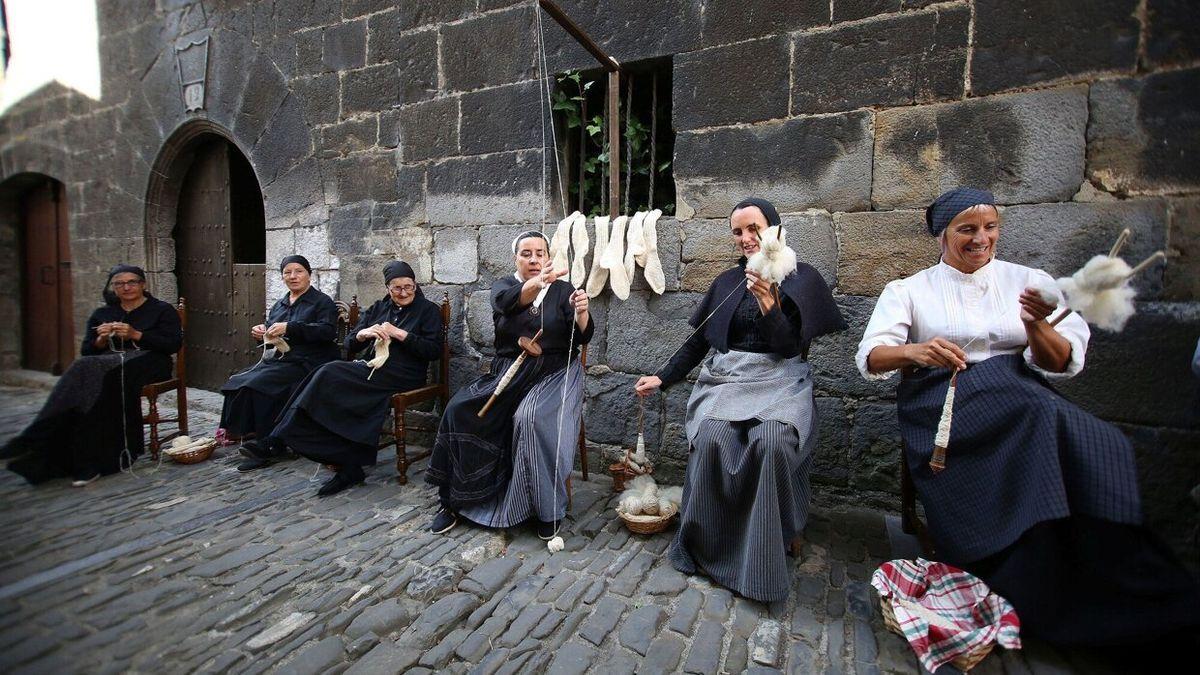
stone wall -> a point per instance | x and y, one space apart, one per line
382 129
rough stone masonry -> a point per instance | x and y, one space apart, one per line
381 129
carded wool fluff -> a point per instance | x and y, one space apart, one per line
555 545
1100 292
774 259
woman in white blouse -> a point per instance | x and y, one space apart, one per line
1038 497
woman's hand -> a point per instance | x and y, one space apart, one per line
124 331
761 288
258 332
277 329
938 352
391 332
368 333
1033 308
647 384
579 300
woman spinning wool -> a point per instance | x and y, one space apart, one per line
305 322
1037 497
335 416
498 469
750 418
94 412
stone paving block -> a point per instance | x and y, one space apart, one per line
433 582
865 650
574 658
382 619
477 643
548 624
571 597
705 656
717 603
386 659
663 655
737 656
603 620
316 658
362 645
1033 151
441 653
640 627
489 577
836 646
521 595
686 610
439 619
233 560
491 664
766 643
523 624
665 580
594 591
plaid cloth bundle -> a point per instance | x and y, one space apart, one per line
943 611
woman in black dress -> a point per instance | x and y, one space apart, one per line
306 319
94 416
336 414
510 465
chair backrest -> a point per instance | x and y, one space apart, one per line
346 321
443 368
180 356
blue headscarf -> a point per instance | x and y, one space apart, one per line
951 203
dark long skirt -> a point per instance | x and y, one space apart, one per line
745 498
1040 500
471 460
336 414
79 433
255 397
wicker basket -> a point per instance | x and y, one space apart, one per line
642 524
963 662
621 471
192 455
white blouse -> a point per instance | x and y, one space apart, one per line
979 312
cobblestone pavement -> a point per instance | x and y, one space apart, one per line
200 568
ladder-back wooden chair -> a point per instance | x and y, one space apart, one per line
178 383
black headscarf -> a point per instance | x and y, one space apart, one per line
295 259
951 203
396 269
767 208
110 298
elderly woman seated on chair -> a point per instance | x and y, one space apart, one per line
1037 497
335 415
92 423
509 464
302 326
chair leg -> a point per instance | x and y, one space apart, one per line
400 433
181 401
583 451
908 500
152 418
570 492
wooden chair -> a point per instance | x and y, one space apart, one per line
910 522
438 391
347 318
179 383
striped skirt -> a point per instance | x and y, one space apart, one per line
537 485
747 480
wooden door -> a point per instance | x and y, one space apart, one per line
202 238
49 335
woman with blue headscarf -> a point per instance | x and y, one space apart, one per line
751 422
94 414
1037 497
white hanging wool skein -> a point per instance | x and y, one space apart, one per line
579 242
652 264
561 242
599 274
635 245
613 259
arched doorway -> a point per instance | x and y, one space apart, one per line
220 253
47 330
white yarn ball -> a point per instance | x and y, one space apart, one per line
555 545
632 505
650 505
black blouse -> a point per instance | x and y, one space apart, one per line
311 326
555 318
157 320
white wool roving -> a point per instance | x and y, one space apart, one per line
614 259
1100 292
630 502
555 545
635 246
381 355
599 274
579 242
774 259
1046 293
561 241
652 265
671 495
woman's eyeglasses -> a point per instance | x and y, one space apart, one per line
403 290
126 284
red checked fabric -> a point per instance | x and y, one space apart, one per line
943 611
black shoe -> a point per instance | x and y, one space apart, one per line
252 464
251 450
547 531
444 521
347 476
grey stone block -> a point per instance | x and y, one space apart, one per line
495 250
809 162
292 192
264 93
316 658
1172 38
384 618
293 15
1140 136
832 356
573 658
385 659
233 560
416 56
503 118
628 30
370 89
350 136
603 620
849 10
766 643
739 83
1076 232
489 50
640 627
1149 359
1181 280
429 130
433 582
344 45
285 143
913 58
879 247
875 447
496 188
488 578
831 461
663 655
1033 150
321 97
644 331
438 619
480 325
455 259
726 22
1022 42
705 656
